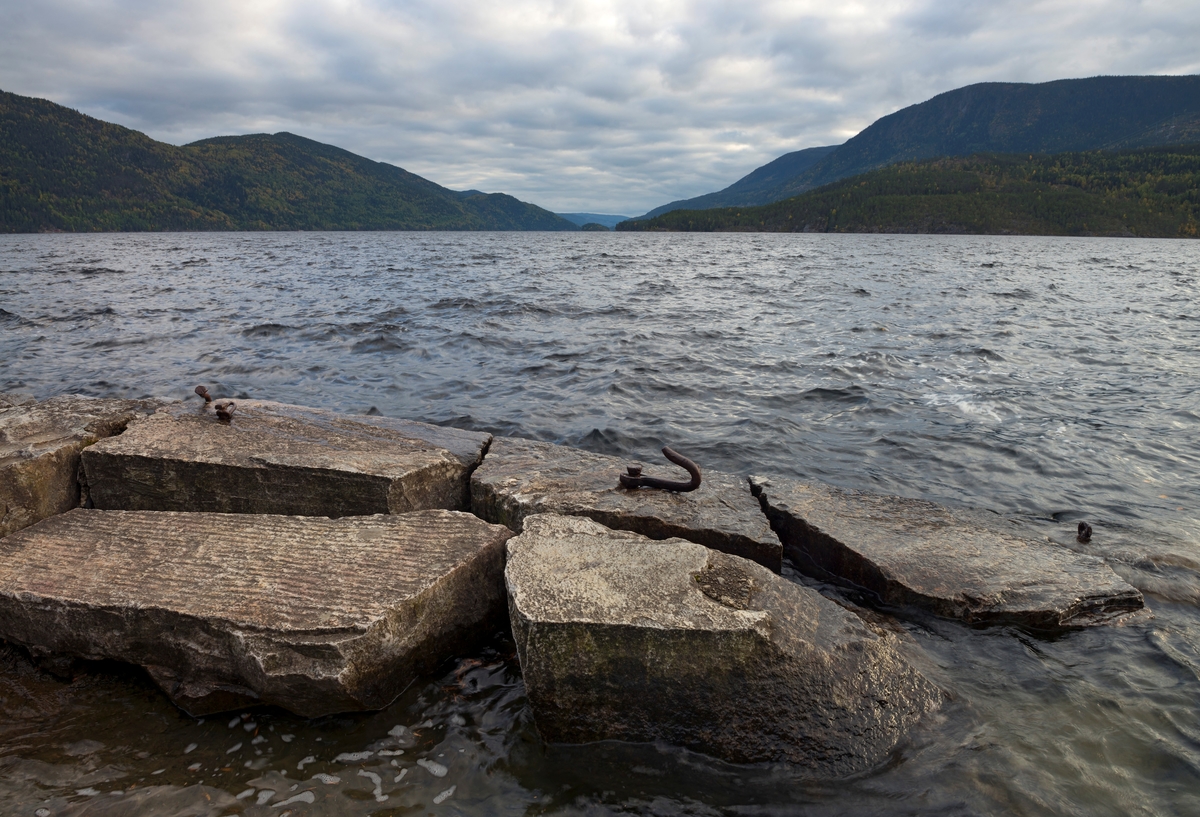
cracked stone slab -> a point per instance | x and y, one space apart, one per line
40 444
281 459
519 478
627 638
913 552
312 614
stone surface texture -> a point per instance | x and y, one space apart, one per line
315 615
623 637
14 399
280 459
523 477
40 444
913 552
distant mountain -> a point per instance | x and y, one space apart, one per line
1099 113
1150 192
755 188
581 219
63 171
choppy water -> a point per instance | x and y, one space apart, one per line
1049 380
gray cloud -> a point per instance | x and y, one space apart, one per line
600 105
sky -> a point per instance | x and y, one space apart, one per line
603 106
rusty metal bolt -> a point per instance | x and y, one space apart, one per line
634 478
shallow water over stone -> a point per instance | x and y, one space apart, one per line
1049 380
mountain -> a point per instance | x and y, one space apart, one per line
755 188
1151 192
581 219
1098 113
63 171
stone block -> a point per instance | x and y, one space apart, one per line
913 552
312 614
626 638
40 444
279 459
523 477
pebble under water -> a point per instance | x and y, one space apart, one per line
1050 380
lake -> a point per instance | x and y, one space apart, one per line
1050 380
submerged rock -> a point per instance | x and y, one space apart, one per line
912 552
315 615
523 477
621 637
275 458
40 444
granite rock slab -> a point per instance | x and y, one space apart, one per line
280 459
519 478
912 552
40 445
312 614
627 638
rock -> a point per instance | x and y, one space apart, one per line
522 477
622 637
40 445
281 459
912 552
224 610
15 399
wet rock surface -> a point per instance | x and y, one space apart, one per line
523 477
311 614
913 552
280 459
40 444
622 637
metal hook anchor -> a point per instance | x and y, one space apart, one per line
634 478
224 408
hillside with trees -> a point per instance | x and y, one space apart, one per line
1069 115
1151 192
63 171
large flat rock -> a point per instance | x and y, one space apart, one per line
523 477
312 614
622 637
40 444
912 552
280 459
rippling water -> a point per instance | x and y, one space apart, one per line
1049 380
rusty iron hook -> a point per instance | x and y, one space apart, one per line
634 478
225 410
203 392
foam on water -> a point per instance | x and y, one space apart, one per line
1050 380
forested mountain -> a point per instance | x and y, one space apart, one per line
1152 192
1098 113
754 188
62 170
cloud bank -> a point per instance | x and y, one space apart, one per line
577 105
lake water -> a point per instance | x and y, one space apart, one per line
1050 380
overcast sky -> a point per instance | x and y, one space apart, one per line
610 106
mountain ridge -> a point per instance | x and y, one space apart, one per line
747 189
61 170
1093 113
